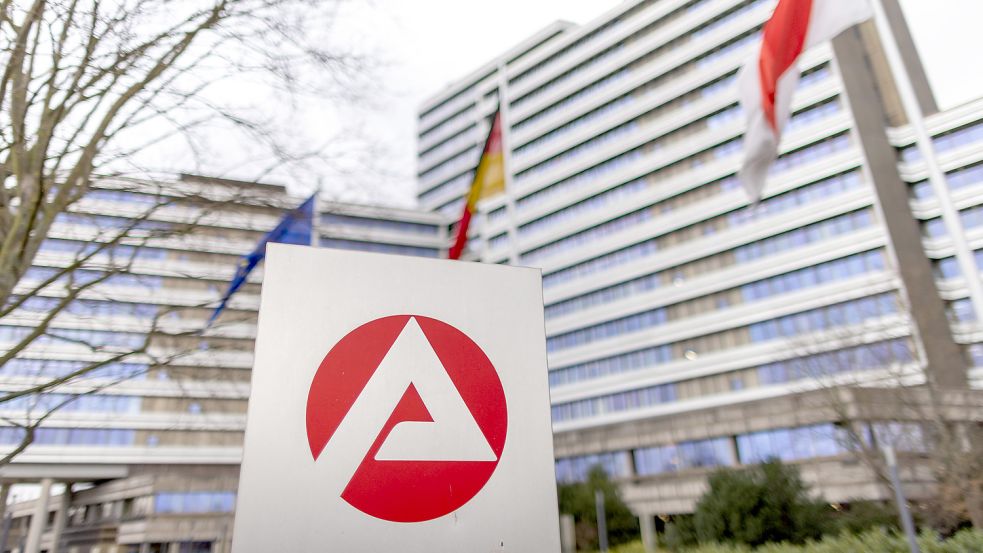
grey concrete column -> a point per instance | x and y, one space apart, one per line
647 523
735 452
568 534
174 547
39 519
144 548
61 519
946 363
4 495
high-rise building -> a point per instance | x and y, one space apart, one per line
688 330
151 449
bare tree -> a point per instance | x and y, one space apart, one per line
86 86
85 89
69 301
872 376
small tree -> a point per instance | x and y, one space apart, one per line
767 503
578 500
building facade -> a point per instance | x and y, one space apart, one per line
145 457
687 330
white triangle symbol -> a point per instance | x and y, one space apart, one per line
453 435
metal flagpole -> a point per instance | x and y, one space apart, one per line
923 140
602 521
903 512
510 205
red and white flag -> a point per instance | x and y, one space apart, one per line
769 79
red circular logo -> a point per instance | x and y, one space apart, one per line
429 402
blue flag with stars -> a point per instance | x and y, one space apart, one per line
296 227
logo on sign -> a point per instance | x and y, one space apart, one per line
426 406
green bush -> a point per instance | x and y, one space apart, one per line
874 541
578 500
763 504
861 516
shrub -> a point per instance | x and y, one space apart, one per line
578 500
766 503
874 541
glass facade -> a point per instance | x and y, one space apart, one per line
194 502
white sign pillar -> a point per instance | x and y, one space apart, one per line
398 404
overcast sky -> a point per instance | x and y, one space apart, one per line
426 44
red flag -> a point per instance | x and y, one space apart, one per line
769 79
489 179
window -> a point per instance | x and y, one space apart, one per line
685 455
194 502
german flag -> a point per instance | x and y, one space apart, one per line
489 179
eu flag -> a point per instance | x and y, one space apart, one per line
295 228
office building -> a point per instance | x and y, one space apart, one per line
150 446
687 330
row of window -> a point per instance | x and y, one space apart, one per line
795 198
92 308
717 452
593 61
608 329
789 326
949 268
194 502
84 276
542 194
538 143
858 358
615 403
961 311
659 53
622 363
971 218
452 164
123 196
567 155
835 184
116 437
786 444
464 114
955 179
54 368
117 251
103 222
823 318
803 322
380 224
579 43
800 237
809 154
400 249
93 403
584 206
459 185
589 236
807 277
708 58
947 141
803 236
90 338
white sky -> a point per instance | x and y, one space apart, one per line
426 44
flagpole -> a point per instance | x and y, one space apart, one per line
503 113
923 140
316 219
